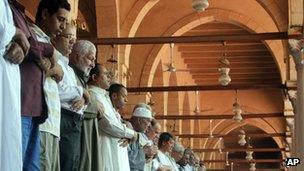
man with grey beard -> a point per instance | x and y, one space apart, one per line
74 97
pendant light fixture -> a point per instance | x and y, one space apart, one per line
210 128
200 5
236 108
197 108
249 151
252 167
224 78
242 136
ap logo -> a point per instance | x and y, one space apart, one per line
292 161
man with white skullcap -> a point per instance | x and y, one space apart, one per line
140 120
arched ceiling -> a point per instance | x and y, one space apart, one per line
250 62
258 142
162 21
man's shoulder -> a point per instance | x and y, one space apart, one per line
40 35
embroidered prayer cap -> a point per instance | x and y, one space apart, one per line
143 113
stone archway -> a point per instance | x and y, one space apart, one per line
189 22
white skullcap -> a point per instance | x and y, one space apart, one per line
143 113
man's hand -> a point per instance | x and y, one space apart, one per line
135 138
150 151
86 96
56 73
53 59
124 142
164 168
18 48
44 64
78 104
14 53
21 39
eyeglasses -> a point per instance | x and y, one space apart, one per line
68 36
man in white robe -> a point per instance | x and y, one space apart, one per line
91 154
13 47
113 131
164 161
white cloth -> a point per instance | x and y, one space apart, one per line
142 112
144 140
111 130
51 94
10 98
69 90
148 166
163 159
187 168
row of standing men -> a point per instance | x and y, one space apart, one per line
56 112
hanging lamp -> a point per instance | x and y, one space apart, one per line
236 108
200 5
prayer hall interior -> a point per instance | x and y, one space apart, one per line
218 74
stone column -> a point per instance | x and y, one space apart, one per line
298 144
299 118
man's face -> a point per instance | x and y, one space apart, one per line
192 160
87 62
57 22
176 155
120 99
65 41
169 145
144 124
154 132
103 79
185 159
157 131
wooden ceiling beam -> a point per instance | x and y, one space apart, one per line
232 65
233 74
206 83
236 75
241 79
235 79
245 161
206 88
209 59
252 135
228 48
196 39
234 70
219 116
240 150
230 43
220 54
